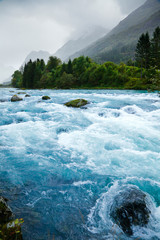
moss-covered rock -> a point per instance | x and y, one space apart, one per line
77 103
45 98
9 229
5 211
15 98
12 230
27 95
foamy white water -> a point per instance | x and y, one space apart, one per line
62 167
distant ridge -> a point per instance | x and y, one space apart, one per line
37 54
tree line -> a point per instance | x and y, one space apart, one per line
83 72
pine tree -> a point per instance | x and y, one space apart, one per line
155 48
143 51
69 67
24 78
28 74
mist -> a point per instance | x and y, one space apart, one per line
28 25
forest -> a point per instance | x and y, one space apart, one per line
83 72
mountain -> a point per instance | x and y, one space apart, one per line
37 54
138 16
119 44
85 39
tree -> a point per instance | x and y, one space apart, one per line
66 81
17 79
143 51
155 48
28 74
69 67
53 63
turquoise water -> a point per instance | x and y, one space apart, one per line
62 167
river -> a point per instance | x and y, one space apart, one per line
61 167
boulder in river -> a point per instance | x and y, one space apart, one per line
21 92
27 95
130 209
45 98
15 98
77 103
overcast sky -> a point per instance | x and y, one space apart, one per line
27 25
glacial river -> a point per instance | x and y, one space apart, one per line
61 168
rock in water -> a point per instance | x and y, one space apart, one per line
5 212
9 229
27 95
45 98
12 230
21 93
77 103
130 209
15 98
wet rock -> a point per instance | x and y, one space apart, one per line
15 98
12 230
130 209
45 98
9 229
21 93
77 103
5 211
27 95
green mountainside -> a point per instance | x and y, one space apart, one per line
119 44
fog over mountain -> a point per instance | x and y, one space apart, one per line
120 43
78 43
30 25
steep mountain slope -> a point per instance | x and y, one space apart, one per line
138 16
87 37
120 43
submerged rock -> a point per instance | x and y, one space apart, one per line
77 103
15 98
5 211
45 98
130 209
27 95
